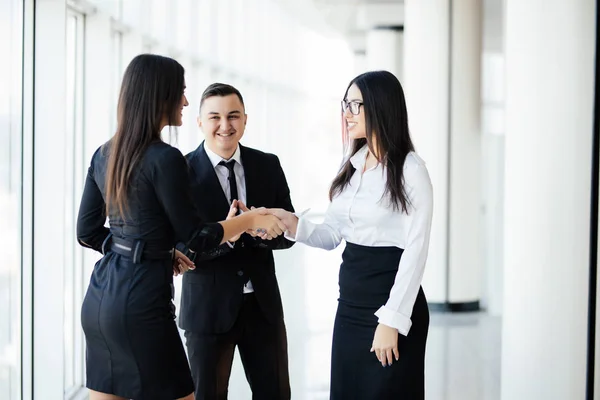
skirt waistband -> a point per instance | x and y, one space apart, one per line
372 249
367 274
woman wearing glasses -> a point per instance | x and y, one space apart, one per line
381 205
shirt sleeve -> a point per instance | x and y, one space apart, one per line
91 232
325 235
398 309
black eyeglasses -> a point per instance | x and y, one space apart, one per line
354 106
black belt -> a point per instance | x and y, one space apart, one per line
135 249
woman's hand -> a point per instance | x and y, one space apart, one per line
288 218
268 226
181 263
385 343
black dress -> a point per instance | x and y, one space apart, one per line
133 346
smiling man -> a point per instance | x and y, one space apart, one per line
232 298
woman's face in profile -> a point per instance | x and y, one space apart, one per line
178 117
354 114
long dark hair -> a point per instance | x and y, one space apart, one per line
151 91
386 121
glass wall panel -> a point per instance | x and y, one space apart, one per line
11 136
73 169
117 72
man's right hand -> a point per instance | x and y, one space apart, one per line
251 232
230 215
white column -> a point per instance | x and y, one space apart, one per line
426 88
384 50
550 48
442 53
465 216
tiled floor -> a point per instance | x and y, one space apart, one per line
463 353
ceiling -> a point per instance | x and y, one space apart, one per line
348 18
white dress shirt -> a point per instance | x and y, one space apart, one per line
223 175
358 216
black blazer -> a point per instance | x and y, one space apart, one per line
212 294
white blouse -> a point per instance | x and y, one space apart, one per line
358 216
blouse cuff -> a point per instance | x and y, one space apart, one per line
394 319
300 228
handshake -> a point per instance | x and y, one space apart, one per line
267 223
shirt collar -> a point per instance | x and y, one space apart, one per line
215 159
358 160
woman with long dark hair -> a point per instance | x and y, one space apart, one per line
381 205
141 184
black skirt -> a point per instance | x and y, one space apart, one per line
366 278
133 347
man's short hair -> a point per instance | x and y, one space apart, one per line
220 89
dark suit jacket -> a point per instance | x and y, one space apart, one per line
212 294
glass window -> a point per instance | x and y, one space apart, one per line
224 42
160 13
117 72
74 345
113 7
11 135
204 25
134 14
186 10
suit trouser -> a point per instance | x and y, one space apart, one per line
263 351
